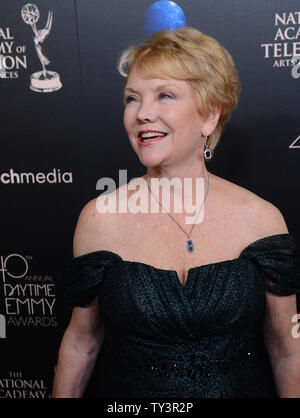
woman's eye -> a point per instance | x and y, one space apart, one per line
165 96
129 99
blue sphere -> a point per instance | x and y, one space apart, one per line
163 15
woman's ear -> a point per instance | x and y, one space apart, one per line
212 120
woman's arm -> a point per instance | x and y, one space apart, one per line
84 336
78 352
281 344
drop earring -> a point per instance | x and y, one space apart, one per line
207 151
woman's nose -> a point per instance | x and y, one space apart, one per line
146 113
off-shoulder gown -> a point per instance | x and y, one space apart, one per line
200 340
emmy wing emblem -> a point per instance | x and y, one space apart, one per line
43 81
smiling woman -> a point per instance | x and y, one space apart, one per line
158 113
198 59
203 312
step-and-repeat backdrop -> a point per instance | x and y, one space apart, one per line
61 130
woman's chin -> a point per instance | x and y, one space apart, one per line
151 161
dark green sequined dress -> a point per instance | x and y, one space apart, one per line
203 340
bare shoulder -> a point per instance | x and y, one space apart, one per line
91 229
264 217
261 217
99 223
85 229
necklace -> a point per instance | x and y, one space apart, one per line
189 243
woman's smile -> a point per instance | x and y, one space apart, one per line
162 120
148 137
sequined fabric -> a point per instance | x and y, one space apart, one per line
203 339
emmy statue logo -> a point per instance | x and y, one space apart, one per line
42 81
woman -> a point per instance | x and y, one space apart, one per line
201 310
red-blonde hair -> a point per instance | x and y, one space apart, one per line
190 55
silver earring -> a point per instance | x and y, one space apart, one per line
207 151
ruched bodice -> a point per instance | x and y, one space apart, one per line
203 339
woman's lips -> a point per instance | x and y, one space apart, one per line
150 141
148 137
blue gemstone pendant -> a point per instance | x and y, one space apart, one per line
190 245
207 154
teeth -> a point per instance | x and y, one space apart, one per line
151 134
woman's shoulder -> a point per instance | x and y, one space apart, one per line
263 218
100 221
92 229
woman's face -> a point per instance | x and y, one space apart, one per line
162 121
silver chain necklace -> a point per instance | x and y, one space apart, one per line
189 243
